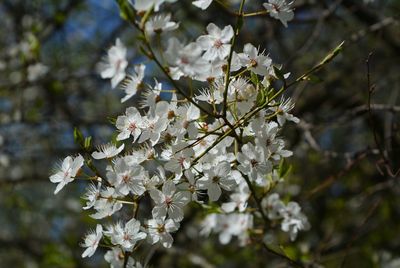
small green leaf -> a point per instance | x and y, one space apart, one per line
332 54
261 97
126 11
88 142
78 136
284 169
145 17
313 79
279 74
254 78
141 37
112 120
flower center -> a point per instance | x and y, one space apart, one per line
181 160
168 201
218 43
185 124
254 163
171 115
268 142
126 178
276 7
216 179
132 127
184 60
168 138
161 228
126 237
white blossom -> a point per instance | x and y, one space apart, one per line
235 224
280 10
217 178
129 124
116 258
133 82
144 5
253 163
68 171
180 159
255 61
126 236
159 230
127 178
92 195
293 220
160 23
169 201
185 60
91 241
216 42
36 71
107 151
107 203
114 64
282 110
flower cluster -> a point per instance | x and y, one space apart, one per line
292 218
218 146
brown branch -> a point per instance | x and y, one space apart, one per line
382 151
331 179
359 228
283 256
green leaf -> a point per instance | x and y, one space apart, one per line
261 97
284 169
332 54
126 11
313 79
211 208
56 87
78 137
145 17
254 78
88 143
279 74
112 120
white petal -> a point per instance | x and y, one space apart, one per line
228 207
159 212
157 196
169 188
214 191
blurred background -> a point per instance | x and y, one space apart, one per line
346 152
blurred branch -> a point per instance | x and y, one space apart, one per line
355 159
359 229
54 24
373 28
382 151
373 20
194 258
30 247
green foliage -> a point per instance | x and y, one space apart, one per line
55 256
